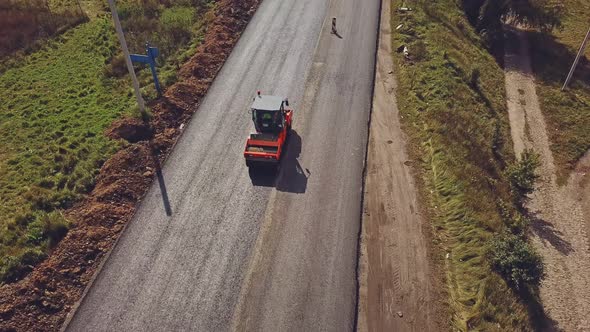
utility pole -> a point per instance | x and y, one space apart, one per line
580 53
80 9
121 36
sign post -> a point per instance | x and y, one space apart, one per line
149 58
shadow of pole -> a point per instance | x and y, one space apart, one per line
163 191
161 182
547 232
538 318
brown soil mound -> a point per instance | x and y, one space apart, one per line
130 129
41 301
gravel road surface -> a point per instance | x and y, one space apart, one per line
559 223
245 250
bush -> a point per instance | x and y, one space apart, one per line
517 222
516 261
55 227
522 174
116 67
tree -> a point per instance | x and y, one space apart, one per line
516 261
523 174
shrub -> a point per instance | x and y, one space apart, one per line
522 174
55 227
116 67
513 219
516 261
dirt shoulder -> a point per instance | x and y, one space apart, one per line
41 301
452 107
560 213
399 285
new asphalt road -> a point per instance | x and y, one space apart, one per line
250 251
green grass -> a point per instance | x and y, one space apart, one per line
176 29
55 105
452 99
567 113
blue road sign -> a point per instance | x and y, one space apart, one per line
150 58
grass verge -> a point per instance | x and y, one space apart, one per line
452 103
567 114
55 108
55 105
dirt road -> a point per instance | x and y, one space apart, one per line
560 227
299 232
396 277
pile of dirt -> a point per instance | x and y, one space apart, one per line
41 301
130 129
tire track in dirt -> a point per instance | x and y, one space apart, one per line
559 226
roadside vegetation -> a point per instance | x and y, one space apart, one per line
452 102
26 24
55 105
567 113
175 27
488 17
